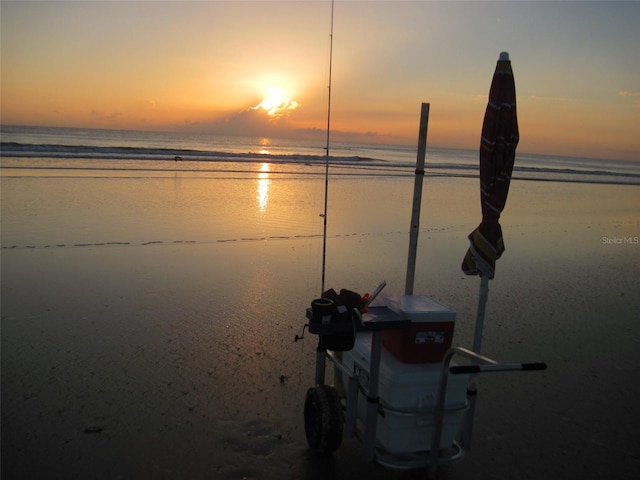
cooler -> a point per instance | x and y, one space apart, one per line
430 334
412 389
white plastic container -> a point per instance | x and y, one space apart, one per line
421 308
407 387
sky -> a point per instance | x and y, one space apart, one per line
262 68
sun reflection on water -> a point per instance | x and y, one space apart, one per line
262 190
264 146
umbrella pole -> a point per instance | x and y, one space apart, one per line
472 387
417 199
482 303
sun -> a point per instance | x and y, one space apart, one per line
276 103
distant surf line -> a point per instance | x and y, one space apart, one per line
162 243
339 169
284 175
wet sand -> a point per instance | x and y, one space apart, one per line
158 342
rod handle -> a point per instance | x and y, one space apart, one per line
462 369
534 366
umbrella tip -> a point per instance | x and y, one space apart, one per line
504 55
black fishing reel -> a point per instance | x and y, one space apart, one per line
336 325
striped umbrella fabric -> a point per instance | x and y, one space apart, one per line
498 144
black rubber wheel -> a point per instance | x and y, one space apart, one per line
323 419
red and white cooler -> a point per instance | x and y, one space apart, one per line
429 335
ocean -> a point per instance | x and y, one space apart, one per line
71 150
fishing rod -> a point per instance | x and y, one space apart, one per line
326 168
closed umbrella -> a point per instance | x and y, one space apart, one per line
497 153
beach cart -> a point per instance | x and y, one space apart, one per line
398 385
408 414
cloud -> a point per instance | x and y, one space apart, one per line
253 121
105 116
636 95
550 99
256 122
276 104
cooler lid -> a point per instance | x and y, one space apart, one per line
422 308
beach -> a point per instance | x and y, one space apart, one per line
148 321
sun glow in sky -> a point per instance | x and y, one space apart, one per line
261 68
276 103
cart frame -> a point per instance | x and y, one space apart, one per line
376 321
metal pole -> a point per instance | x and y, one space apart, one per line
482 303
320 362
472 386
373 400
417 198
326 168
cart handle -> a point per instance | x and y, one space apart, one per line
460 369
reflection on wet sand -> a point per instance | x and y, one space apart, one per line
263 187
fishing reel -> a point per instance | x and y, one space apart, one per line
336 325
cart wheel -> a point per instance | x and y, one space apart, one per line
323 419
